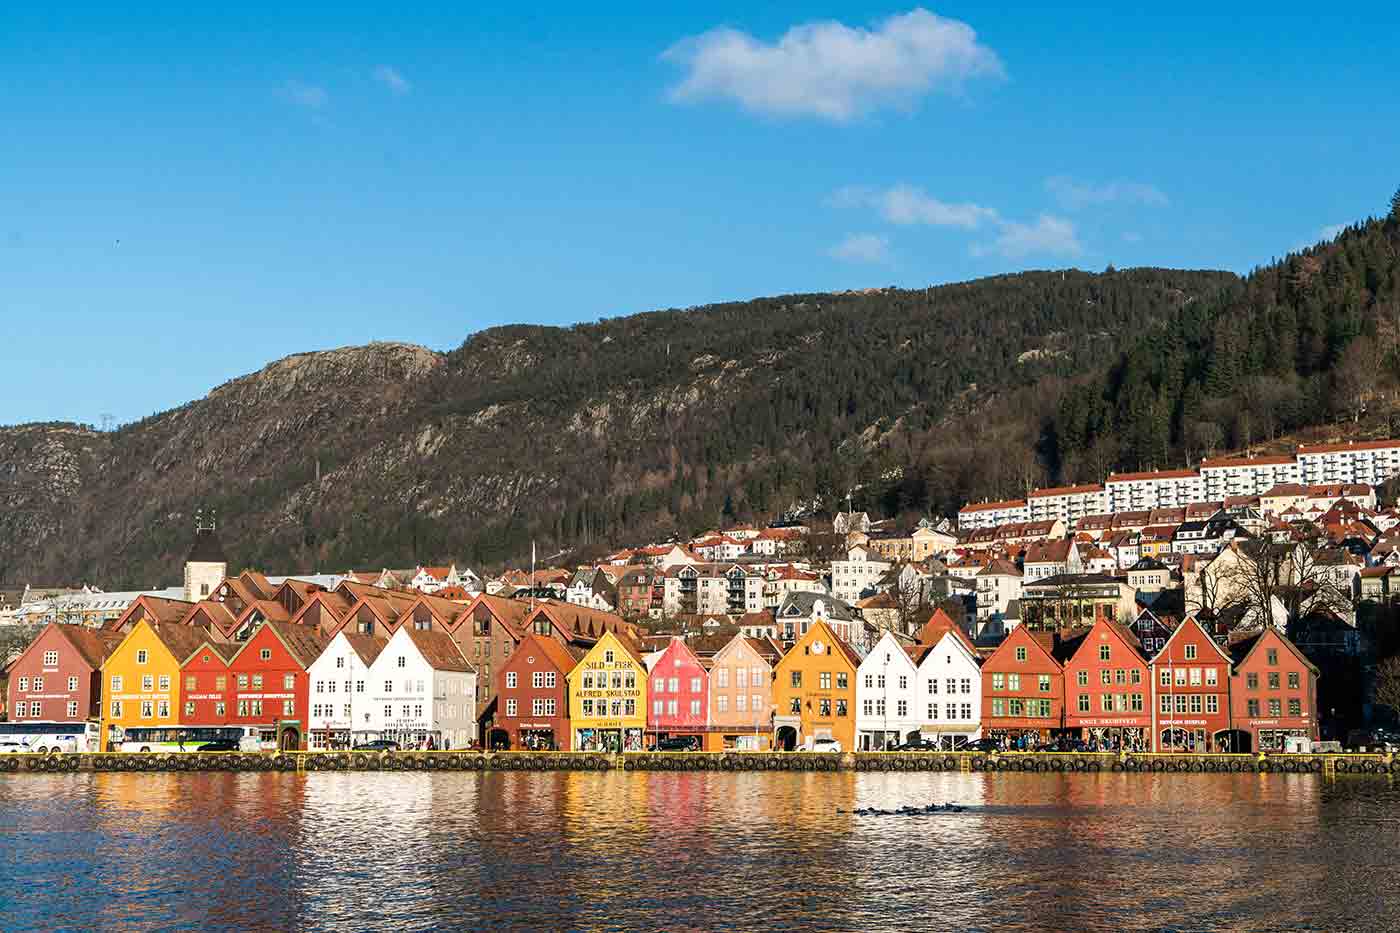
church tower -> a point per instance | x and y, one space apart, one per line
206 566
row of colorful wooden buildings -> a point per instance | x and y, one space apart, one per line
304 666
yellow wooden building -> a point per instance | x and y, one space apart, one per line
141 678
608 698
814 691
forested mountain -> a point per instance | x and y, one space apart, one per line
639 427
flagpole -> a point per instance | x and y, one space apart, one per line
532 575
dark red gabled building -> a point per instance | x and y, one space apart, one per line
532 697
1023 689
1191 693
270 684
1273 691
58 677
1108 689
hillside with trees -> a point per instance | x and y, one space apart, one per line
641 427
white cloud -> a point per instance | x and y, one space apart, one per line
1331 231
830 70
1074 195
392 79
907 206
862 247
307 95
1050 235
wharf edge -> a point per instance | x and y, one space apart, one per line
1046 762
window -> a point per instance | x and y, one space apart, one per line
722 676
1165 704
256 708
1016 707
339 662
1181 673
511 707
658 685
998 707
998 681
824 680
1044 683
672 707
658 707
1195 676
841 680
219 708
72 709
932 685
673 684
1273 657
1165 677
1136 677
1212 703
242 681
608 656
116 709
1273 680
903 682
966 684
50 658
148 709
243 707
1082 678
588 707
551 680
966 711
1084 702
148 683
1137 702
1295 706
1020 654
289 682
695 685
402 661
24 683
287 708
1190 652
795 706
1293 678
797 679
142 656
537 707
1195 703
824 708
221 682
1013 681
840 708
1275 708
1251 680
388 686
1105 677
695 707
1104 652
265 654
722 702
510 680
1211 675
257 682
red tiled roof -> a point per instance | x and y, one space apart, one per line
987 506
1066 491
1350 445
1225 462
1159 474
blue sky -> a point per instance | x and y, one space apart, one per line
186 195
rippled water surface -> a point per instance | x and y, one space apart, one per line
676 851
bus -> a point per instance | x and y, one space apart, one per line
189 738
45 737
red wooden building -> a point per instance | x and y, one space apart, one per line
58 678
1191 693
206 686
531 696
270 683
679 695
1108 689
1023 689
1273 692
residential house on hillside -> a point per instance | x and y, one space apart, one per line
1051 559
998 584
592 588
1076 601
801 611
858 572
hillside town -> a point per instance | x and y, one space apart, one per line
1239 607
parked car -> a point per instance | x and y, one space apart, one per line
1376 739
219 745
13 748
678 743
918 745
981 745
378 745
830 746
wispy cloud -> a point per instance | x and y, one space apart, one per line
862 247
307 95
1075 195
1331 231
1049 235
907 206
830 70
392 79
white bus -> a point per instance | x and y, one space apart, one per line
190 739
45 737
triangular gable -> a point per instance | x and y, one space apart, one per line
961 644
1021 638
1191 621
897 654
1269 630
1091 641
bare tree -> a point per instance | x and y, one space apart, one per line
1357 374
1388 683
911 600
1297 576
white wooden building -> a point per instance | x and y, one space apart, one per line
420 687
887 697
339 684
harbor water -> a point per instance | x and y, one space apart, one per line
697 851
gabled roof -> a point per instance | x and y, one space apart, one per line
439 650
156 609
1000 567
940 624
1242 649
1048 552
180 640
303 642
1089 641
367 647
1188 623
224 650
562 659
92 645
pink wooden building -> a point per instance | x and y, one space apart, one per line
679 695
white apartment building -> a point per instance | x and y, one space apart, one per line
855 574
1370 462
712 589
997 585
887 697
1066 503
990 514
1164 489
1246 476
